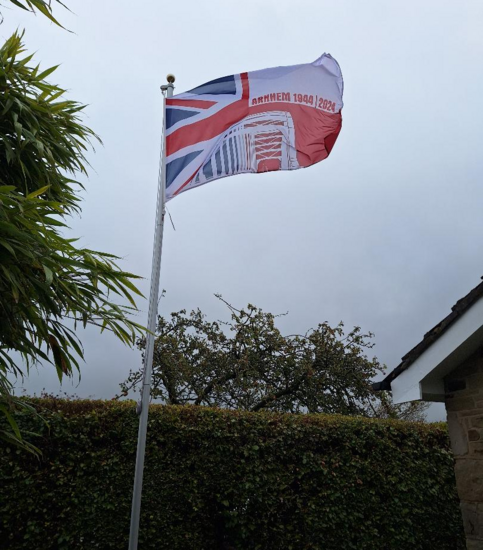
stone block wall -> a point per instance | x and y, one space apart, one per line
464 407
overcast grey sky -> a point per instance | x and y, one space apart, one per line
385 233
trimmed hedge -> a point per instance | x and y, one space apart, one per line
228 479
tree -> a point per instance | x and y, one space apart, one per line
48 285
415 411
250 365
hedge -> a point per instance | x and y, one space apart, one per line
218 479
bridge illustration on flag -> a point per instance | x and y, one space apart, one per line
282 118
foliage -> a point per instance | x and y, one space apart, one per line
48 285
415 411
42 6
9 430
229 479
248 364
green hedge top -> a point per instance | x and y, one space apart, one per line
229 479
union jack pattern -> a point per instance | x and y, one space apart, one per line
244 123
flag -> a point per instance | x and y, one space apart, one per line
282 118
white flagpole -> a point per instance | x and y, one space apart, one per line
152 317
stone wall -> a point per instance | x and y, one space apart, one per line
464 406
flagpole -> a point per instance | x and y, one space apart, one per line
167 90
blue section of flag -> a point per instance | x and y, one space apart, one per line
236 154
225 85
208 170
218 161
174 167
225 158
175 115
233 165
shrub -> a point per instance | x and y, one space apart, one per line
228 479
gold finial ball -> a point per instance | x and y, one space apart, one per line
170 78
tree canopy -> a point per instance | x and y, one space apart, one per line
248 364
49 286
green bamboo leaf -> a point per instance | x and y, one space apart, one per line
38 192
8 105
49 276
6 245
18 4
11 420
45 9
47 72
18 130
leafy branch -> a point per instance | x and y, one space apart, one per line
49 286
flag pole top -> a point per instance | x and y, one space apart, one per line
168 88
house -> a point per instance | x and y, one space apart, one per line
447 366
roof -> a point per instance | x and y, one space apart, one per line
461 306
